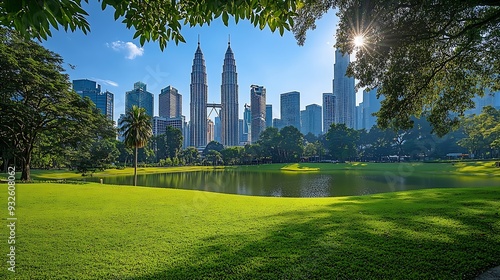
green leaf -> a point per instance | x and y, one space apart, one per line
225 18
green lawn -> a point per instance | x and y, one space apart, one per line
92 231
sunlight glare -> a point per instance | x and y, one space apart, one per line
358 41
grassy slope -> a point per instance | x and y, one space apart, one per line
93 231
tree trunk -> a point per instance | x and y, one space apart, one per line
135 167
26 173
5 161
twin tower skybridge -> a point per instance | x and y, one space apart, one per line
213 108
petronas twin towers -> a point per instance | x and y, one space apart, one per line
199 97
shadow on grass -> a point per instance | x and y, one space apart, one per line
426 236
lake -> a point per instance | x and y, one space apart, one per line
300 184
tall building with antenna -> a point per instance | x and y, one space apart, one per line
199 96
229 99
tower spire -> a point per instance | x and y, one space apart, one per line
229 40
198 39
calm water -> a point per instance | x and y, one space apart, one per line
291 184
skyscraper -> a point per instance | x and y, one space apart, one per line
210 130
170 103
290 109
328 111
199 96
104 101
218 129
258 108
311 119
139 97
343 89
247 125
371 105
269 115
229 100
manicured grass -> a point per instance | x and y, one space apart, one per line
92 231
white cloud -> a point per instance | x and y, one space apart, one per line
105 82
131 50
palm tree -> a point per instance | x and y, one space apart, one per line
137 129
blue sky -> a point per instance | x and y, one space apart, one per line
110 56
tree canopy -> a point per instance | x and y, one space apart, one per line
38 105
159 20
423 56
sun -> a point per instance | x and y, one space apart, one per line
359 41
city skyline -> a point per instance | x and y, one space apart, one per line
110 56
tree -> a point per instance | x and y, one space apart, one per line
231 155
291 144
100 154
214 157
378 143
423 56
173 141
269 143
125 152
158 20
36 101
482 132
213 146
342 141
137 129
190 155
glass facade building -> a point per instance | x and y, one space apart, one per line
104 101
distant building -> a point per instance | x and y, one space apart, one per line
120 137
139 97
311 120
218 129
290 109
488 99
210 131
371 105
359 117
269 115
328 111
344 92
170 103
277 123
104 101
159 125
247 125
258 109
243 137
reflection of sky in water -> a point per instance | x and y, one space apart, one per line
289 184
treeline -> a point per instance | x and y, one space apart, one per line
479 135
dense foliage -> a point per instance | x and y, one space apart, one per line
159 20
426 56
40 112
